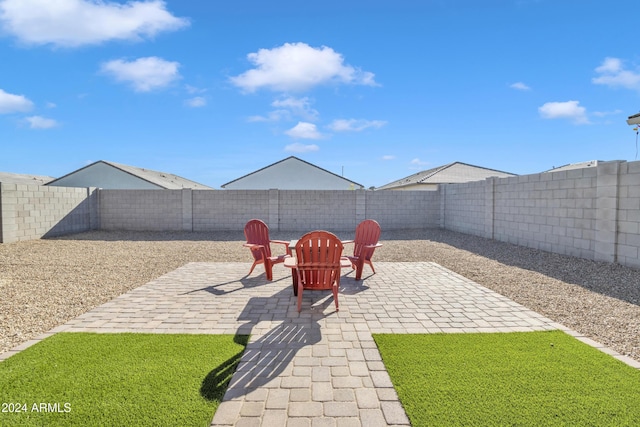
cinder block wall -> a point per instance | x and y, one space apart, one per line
628 219
300 210
30 212
592 213
396 210
228 210
555 212
285 210
464 207
141 210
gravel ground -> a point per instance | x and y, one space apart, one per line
45 283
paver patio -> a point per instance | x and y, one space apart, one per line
317 367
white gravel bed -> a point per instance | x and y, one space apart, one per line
45 283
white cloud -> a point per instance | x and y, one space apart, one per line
606 113
388 157
353 125
298 147
288 107
299 107
196 102
72 23
417 163
304 130
273 116
292 103
612 73
298 67
519 86
610 65
192 90
10 103
144 74
39 122
564 110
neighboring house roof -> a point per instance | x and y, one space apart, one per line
633 120
456 172
580 165
155 179
19 178
292 173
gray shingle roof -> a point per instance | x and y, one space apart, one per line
294 158
164 180
456 172
589 164
19 178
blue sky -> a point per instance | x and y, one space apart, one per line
214 90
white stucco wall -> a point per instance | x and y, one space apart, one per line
291 174
104 176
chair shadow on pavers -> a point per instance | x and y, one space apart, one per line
227 287
276 331
350 286
215 383
269 354
272 352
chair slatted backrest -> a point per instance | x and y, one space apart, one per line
257 232
367 233
318 254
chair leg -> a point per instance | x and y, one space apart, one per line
252 267
299 298
359 268
371 265
294 280
335 294
268 270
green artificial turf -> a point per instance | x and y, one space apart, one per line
509 379
85 379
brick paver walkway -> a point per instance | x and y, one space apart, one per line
318 367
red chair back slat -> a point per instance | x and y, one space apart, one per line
367 233
257 232
318 254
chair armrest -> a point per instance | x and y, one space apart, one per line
368 250
254 247
290 262
285 243
377 245
344 242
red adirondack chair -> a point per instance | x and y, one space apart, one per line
257 234
365 243
318 256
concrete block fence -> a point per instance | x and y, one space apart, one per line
32 211
285 210
555 212
591 213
